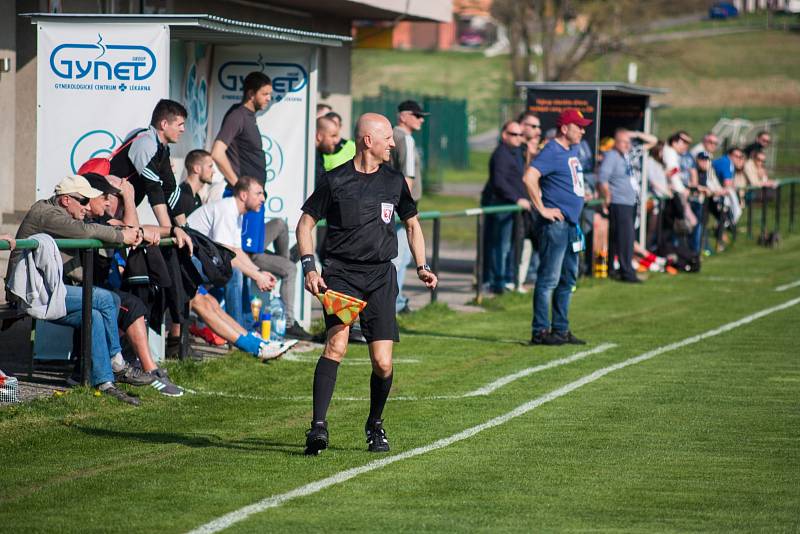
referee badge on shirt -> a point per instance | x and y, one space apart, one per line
387 210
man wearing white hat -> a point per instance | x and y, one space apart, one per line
62 215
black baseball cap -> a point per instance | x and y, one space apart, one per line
703 155
99 182
413 107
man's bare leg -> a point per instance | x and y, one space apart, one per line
380 384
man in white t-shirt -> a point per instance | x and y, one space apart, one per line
677 145
221 221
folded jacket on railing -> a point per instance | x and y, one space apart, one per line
37 280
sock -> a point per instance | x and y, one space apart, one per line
378 393
118 363
249 343
324 382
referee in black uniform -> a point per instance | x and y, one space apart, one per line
359 199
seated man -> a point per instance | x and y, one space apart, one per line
132 310
62 215
221 221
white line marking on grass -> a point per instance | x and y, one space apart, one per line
787 286
485 390
500 382
276 500
347 361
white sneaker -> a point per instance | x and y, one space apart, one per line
271 350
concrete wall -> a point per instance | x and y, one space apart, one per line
8 49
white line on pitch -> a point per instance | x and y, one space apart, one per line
346 361
229 519
485 390
788 286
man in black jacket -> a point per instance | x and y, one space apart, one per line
504 187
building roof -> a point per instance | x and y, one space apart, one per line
204 27
607 87
408 10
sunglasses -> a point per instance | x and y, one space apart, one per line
83 201
514 134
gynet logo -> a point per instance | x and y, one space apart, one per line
92 144
273 155
288 79
102 66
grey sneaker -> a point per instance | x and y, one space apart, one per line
163 384
120 395
133 376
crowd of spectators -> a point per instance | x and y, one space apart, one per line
696 195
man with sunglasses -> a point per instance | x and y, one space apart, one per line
504 187
406 158
63 215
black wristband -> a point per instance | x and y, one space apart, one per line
308 264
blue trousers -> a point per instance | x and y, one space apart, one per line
105 335
501 270
557 274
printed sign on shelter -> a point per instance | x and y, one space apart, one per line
96 83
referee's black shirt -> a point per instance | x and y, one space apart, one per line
360 210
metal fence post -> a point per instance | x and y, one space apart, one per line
479 259
749 201
87 263
778 208
437 230
519 239
763 211
791 207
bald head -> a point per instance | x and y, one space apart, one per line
374 136
327 135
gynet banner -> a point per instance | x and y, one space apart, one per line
96 83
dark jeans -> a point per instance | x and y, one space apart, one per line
499 234
696 237
558 271
621 219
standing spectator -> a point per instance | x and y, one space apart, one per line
529 259
327 139
406 159
555 184
762 142
145 162
532 132
708 145
677 145
343 151
322 109
620 193
504 187
221 221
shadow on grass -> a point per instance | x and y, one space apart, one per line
199 441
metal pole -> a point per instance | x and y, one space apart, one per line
437 230
763 212
791 207
749 202
778 209
479 259
87 263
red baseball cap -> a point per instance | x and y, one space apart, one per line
572 116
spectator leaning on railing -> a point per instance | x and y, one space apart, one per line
63 215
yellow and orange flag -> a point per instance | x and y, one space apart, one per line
345 307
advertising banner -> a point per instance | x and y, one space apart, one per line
548 105
96 83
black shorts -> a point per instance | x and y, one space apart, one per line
377 284
131 308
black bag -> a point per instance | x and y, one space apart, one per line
215 259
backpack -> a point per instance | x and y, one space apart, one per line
215 259
102 166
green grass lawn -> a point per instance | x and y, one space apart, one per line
703 438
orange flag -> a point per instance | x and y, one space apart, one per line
345 307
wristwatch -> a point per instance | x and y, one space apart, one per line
423 267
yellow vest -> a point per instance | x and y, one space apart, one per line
345 154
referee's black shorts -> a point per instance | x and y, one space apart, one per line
375 283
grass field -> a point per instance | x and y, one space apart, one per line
701 437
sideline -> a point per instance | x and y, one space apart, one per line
787 286
236 516
480 392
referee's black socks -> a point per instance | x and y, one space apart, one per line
324 382
378 393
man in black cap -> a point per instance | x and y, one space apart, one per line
406 158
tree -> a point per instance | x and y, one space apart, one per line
557 36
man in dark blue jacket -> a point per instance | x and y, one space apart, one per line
506 167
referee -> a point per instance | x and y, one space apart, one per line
359 200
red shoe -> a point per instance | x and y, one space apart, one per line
207 335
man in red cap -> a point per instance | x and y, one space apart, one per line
555 184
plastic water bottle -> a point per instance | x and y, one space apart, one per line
278 311
266 324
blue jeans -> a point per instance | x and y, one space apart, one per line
558 271
105 334
499 248
400 263
232 294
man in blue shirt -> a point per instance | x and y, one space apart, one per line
554 182
504 187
